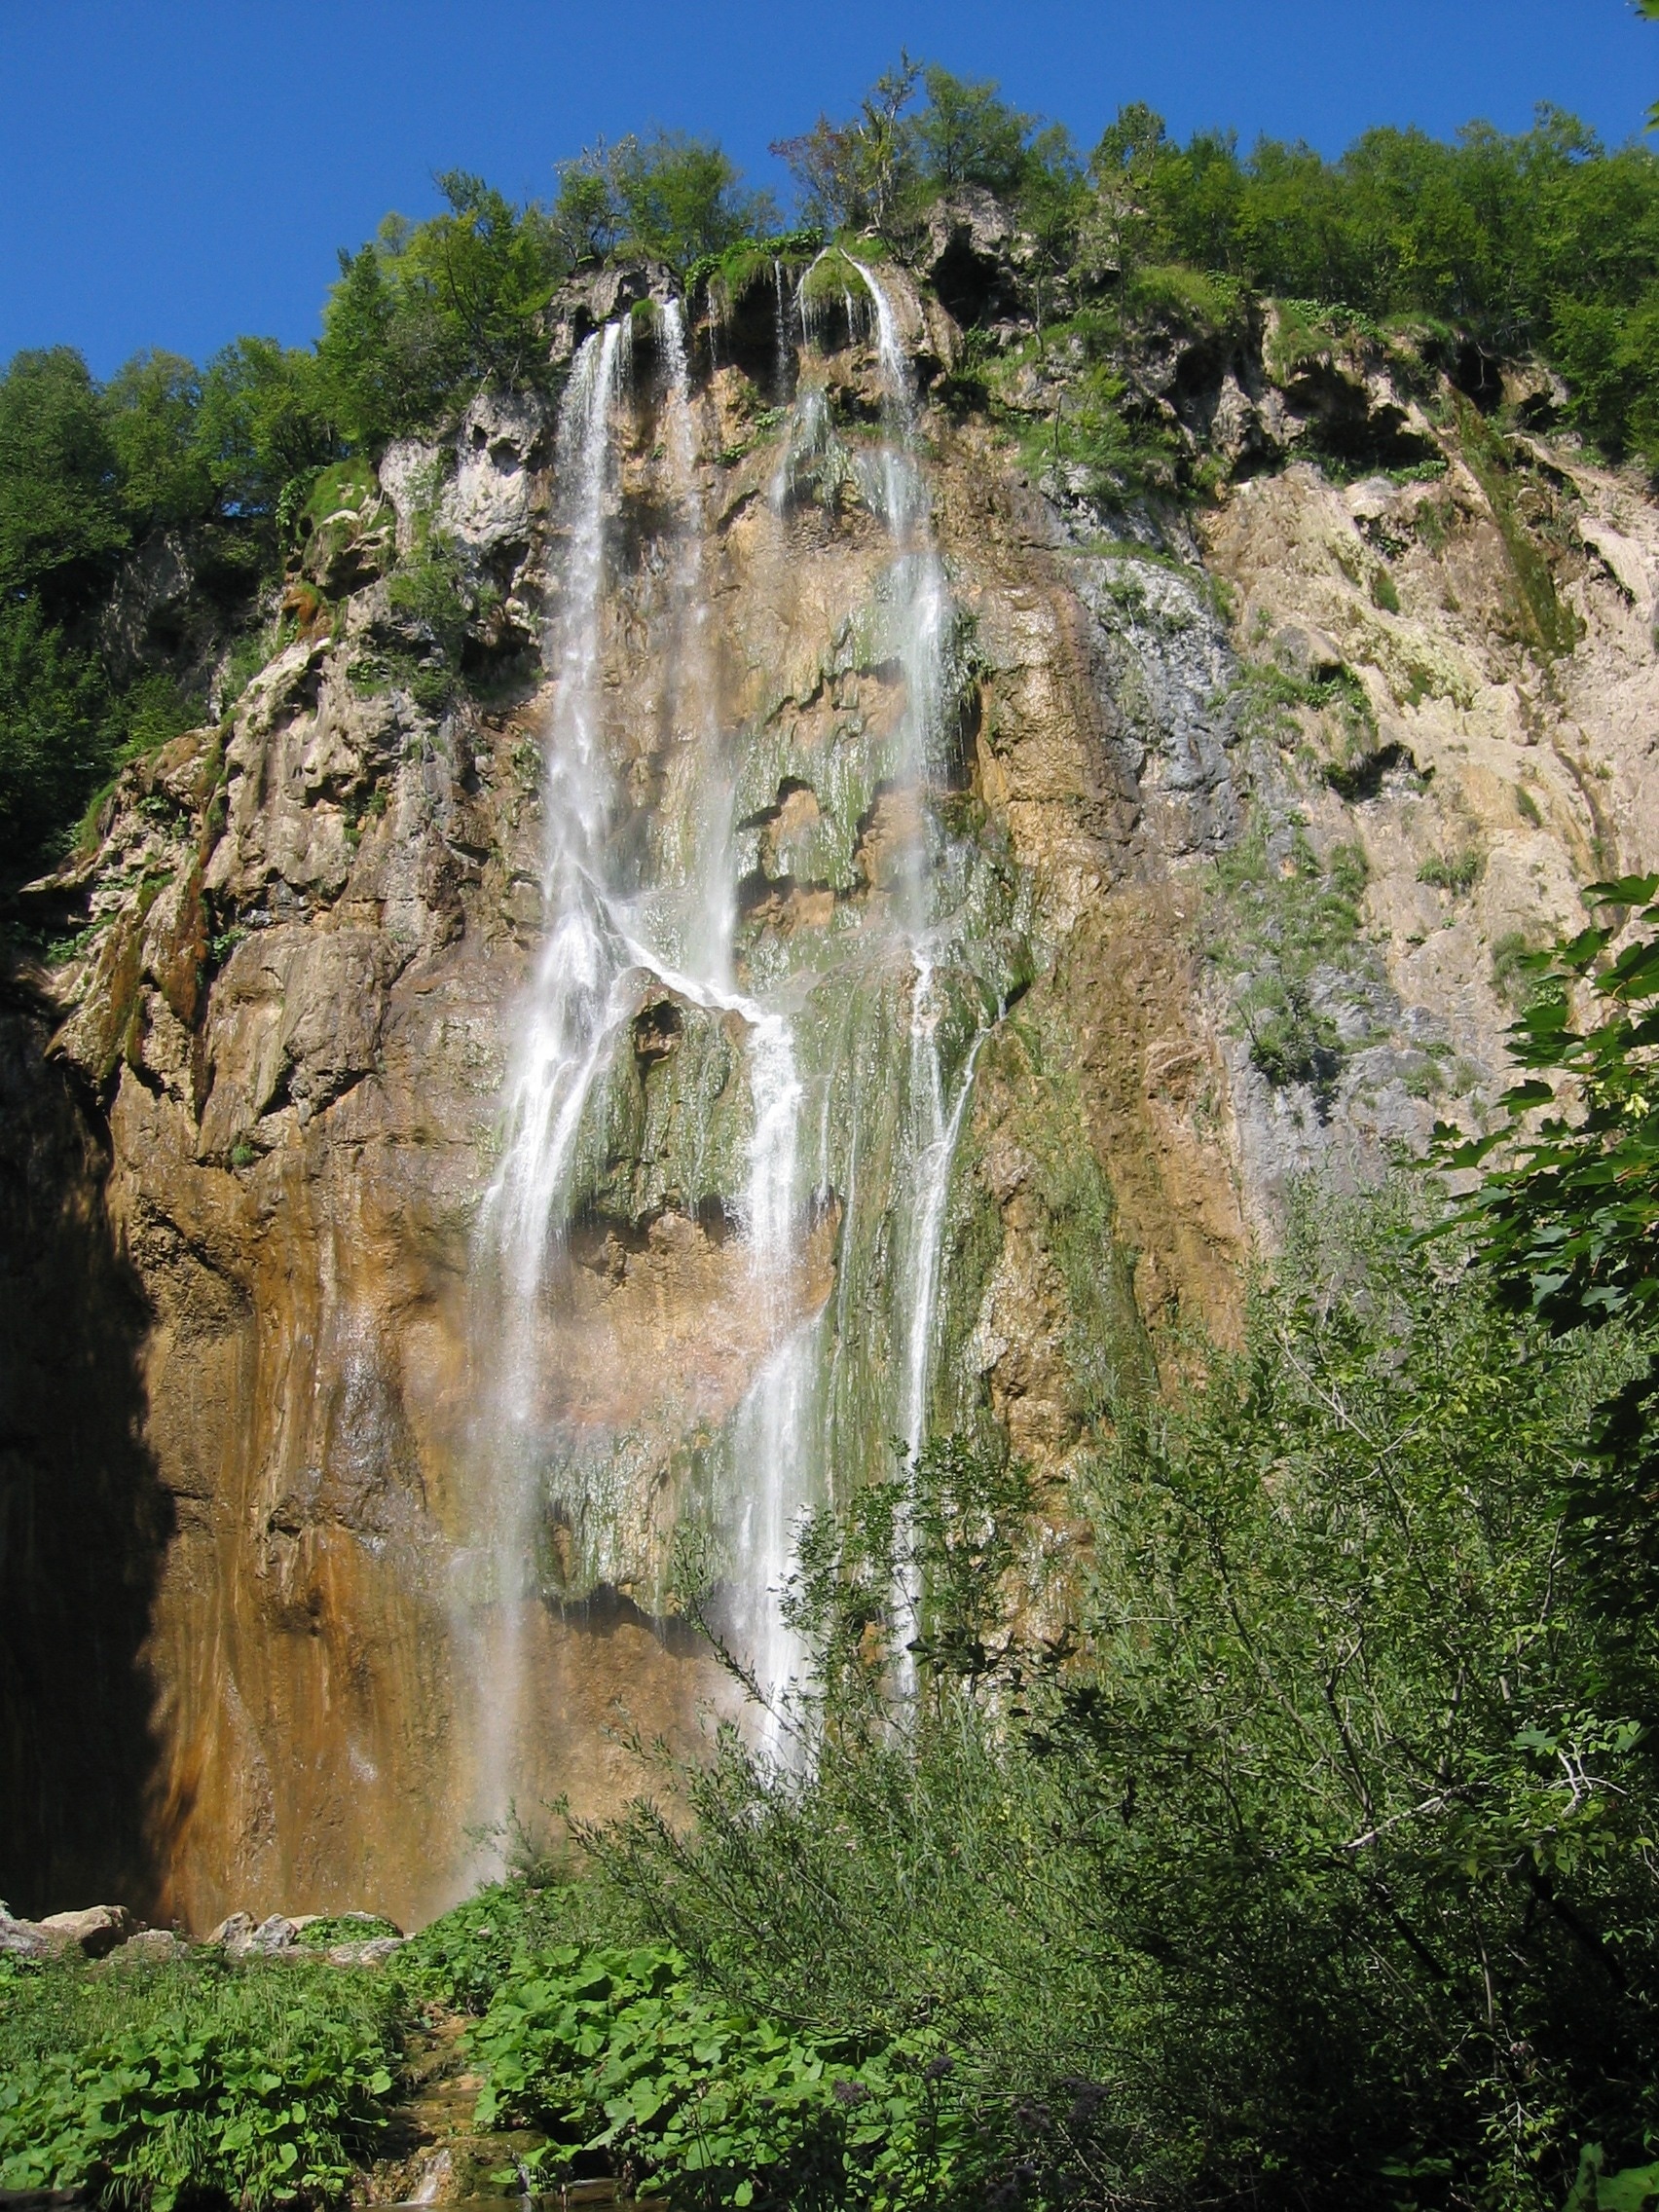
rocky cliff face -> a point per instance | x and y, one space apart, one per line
1241 817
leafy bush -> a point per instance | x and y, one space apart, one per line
260 2083
461 1959
1568 1217
1310 1865
624 2060
345 1927
433 604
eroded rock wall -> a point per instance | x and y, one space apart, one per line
243 1183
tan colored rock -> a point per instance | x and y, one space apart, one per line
233 1933
1624 560
154 1946
94 1931
301 990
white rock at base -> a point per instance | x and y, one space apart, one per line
21 1939
272 1934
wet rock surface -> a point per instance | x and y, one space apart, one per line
434 2152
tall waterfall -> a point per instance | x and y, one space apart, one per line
853 1045
563 1031
924 601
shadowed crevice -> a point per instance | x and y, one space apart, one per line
84 1519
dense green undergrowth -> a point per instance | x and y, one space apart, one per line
270 2082
158 2081
630 2064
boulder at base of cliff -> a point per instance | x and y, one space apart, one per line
94 1931
280 1935
21 1939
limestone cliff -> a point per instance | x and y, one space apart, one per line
1397 666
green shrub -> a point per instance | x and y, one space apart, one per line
259 2083
462 1958
1091 433
625 2061
1310 1865
345 1928
433 604
1273 919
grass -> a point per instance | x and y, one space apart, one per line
1206 304
348 485
729 277
1270 696
1304 332
1455 872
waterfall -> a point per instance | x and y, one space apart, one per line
573 1007
712 915
840 1044
782 349
563 1030
602 941
923 598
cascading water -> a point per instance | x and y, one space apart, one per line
782 349
767 1426
563 1034
924 605
705 812
571 1012
849 1042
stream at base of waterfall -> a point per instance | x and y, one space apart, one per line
817 1080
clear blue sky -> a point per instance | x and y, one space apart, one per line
174 171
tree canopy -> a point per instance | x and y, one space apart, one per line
1544 241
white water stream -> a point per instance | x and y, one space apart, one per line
606 941
924 605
